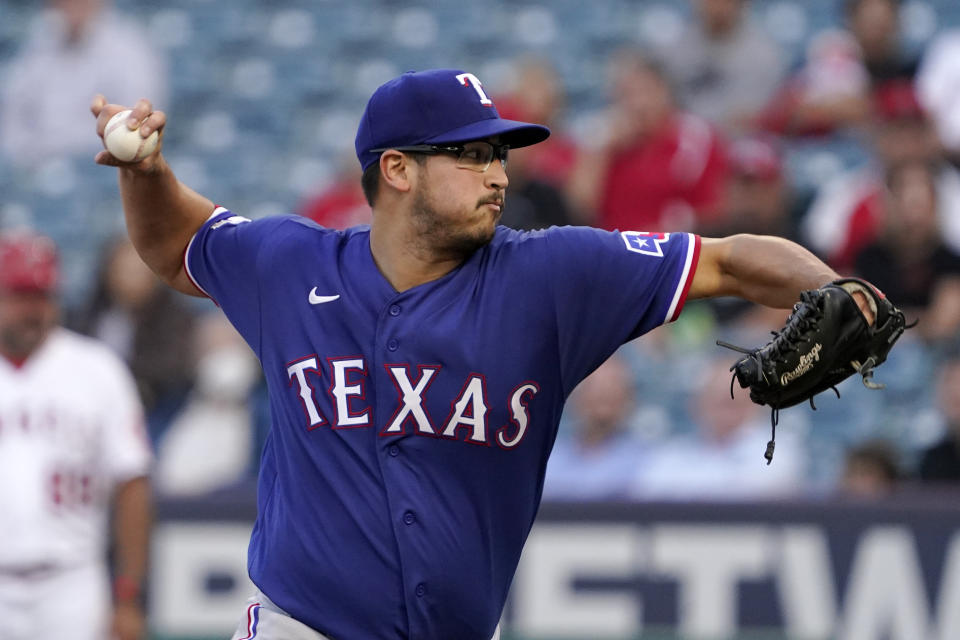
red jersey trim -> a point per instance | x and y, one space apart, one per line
686 277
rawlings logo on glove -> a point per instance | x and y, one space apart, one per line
826 339
806 363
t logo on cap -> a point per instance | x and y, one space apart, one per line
476 84
431 107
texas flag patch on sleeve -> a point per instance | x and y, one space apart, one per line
655 244
645 242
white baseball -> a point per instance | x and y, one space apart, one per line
125 144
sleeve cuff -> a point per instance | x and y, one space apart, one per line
686 277
186 252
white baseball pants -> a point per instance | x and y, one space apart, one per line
264 620
54 603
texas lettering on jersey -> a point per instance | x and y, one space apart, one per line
468 410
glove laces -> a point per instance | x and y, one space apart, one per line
805 313
803 317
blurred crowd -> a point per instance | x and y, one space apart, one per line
693 134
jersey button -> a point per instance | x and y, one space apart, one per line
409 518
394 451
394 309
393 344
421 589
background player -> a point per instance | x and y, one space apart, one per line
71 446
417 369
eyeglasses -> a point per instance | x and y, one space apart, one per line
476 156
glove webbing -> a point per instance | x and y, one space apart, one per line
866 370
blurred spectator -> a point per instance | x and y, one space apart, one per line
757 197
598 459
846 214
209 444
938 87
147 325
657 167
723 458
875 25
901 130
830 91
72 449
941 462
537 95
342 204
532 203
77 49
870 470
908 260
845 73
724 67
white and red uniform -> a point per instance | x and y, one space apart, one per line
71 429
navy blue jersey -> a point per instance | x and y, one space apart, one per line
410 431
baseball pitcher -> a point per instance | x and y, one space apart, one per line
418 367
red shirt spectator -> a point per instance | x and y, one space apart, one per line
659 168
672 180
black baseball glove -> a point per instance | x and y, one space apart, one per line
826 339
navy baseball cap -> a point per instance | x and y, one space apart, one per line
438 106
